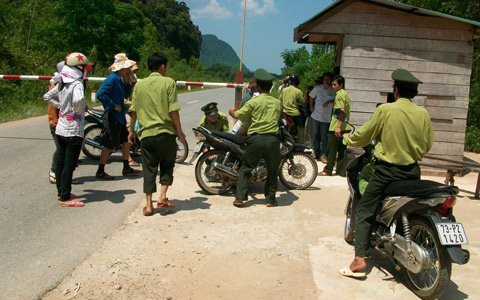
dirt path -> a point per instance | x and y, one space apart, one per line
208 249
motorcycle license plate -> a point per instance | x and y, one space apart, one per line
198 147
451 234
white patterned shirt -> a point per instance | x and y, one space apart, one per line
71 103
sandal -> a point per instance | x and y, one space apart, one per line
73 203
133 163
51 177
147 213
131 172
104 176
165 203
349 273
238 203
272 204
324 174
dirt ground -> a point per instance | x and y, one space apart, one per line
208 249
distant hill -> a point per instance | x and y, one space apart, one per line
215 51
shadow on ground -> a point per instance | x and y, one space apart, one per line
384 265
193 203
102 195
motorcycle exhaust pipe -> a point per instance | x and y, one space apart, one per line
92 143
224 170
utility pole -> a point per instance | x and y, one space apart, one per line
239 74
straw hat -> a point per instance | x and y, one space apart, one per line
121 62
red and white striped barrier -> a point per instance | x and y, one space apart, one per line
205 84
100 79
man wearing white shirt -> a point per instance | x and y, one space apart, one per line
321 100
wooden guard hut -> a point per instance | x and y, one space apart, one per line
374 37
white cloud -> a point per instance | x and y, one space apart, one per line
255 7
212 10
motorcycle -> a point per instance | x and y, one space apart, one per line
220 153
415 228
92 143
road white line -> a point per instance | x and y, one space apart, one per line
194 101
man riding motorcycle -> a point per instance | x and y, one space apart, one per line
404 134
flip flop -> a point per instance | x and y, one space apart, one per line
133 163
324 174
349 273
131 172
272 204
165 203
104 176
238 203
51 177
147 214
73 203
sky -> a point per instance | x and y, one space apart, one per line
268 30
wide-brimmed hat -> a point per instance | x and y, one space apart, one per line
121 62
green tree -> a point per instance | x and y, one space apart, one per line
174 26
469 10
99 28
308 65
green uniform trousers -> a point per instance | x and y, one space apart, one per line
335 151
158 151
370 203
266 146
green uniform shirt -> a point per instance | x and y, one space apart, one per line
342 101
153 99
220 125
402 129
263 112
291 98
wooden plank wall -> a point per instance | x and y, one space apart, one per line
438 51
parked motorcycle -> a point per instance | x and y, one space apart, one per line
415 227
92 145
220 153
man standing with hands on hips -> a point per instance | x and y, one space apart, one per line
263 113
404 134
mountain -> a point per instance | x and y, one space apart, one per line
215 51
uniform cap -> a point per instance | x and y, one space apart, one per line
210 109
262 74
405 77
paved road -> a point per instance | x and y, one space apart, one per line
41 242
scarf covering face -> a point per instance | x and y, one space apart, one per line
69 74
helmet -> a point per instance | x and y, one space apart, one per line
294 80
76 59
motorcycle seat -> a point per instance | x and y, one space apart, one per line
419 188
237 139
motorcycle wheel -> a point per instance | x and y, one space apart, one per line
182 151
298 171
208 179
433 281
349 230
92 132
